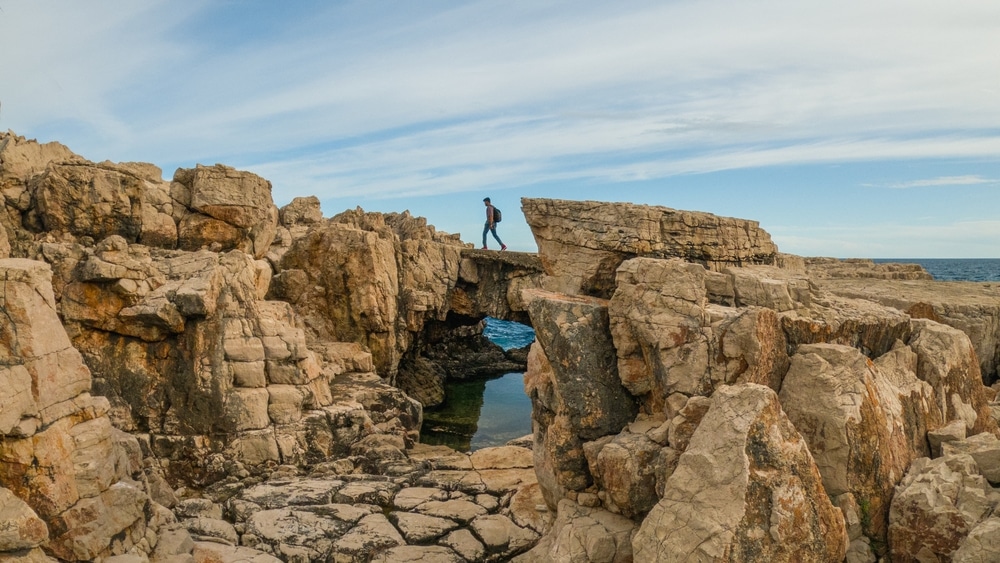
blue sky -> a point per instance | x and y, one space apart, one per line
848 129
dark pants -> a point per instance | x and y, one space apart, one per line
488 229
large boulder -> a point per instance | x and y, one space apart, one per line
59 453
223 207
582 243
860 425
669 339
573 382
746 489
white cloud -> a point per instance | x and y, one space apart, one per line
967 180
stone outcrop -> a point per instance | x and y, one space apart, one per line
574 386
582 243
936 508
863 427
973 308
746 489
370 278
220 380
863 382
81 480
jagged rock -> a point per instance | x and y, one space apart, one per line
224 206
745 450
363 282
972 307
951 432
670 340
936 506
625 469
981 545
984 448
22 529
858 431
62 457
573 382
584 535
947 361
582 243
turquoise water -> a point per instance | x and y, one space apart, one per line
482 413
955 269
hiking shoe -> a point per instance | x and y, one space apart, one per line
503 247
486 248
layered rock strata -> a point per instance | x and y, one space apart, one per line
582 243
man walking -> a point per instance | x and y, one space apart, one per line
491 225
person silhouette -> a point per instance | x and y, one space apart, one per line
491 225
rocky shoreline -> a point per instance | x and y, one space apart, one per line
192 374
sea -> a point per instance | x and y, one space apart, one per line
954 269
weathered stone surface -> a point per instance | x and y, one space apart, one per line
981 545
936 506
502 536
744 451
951 432
465 545
63 459
420 528
947 361
625 470
859 268
418 554
21 528
856 428
984 448
573 382
972 307
372 535
584 535
669 339
224 206
582 243
34 343
370 278
212 552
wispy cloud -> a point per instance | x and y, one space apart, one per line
354 99
967 180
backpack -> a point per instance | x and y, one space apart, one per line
497 216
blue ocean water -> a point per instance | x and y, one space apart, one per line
954 269
507 334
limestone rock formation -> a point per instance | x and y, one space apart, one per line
746 489
59 452
575 390
582 243
863 428
370 279
973 308
935 508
